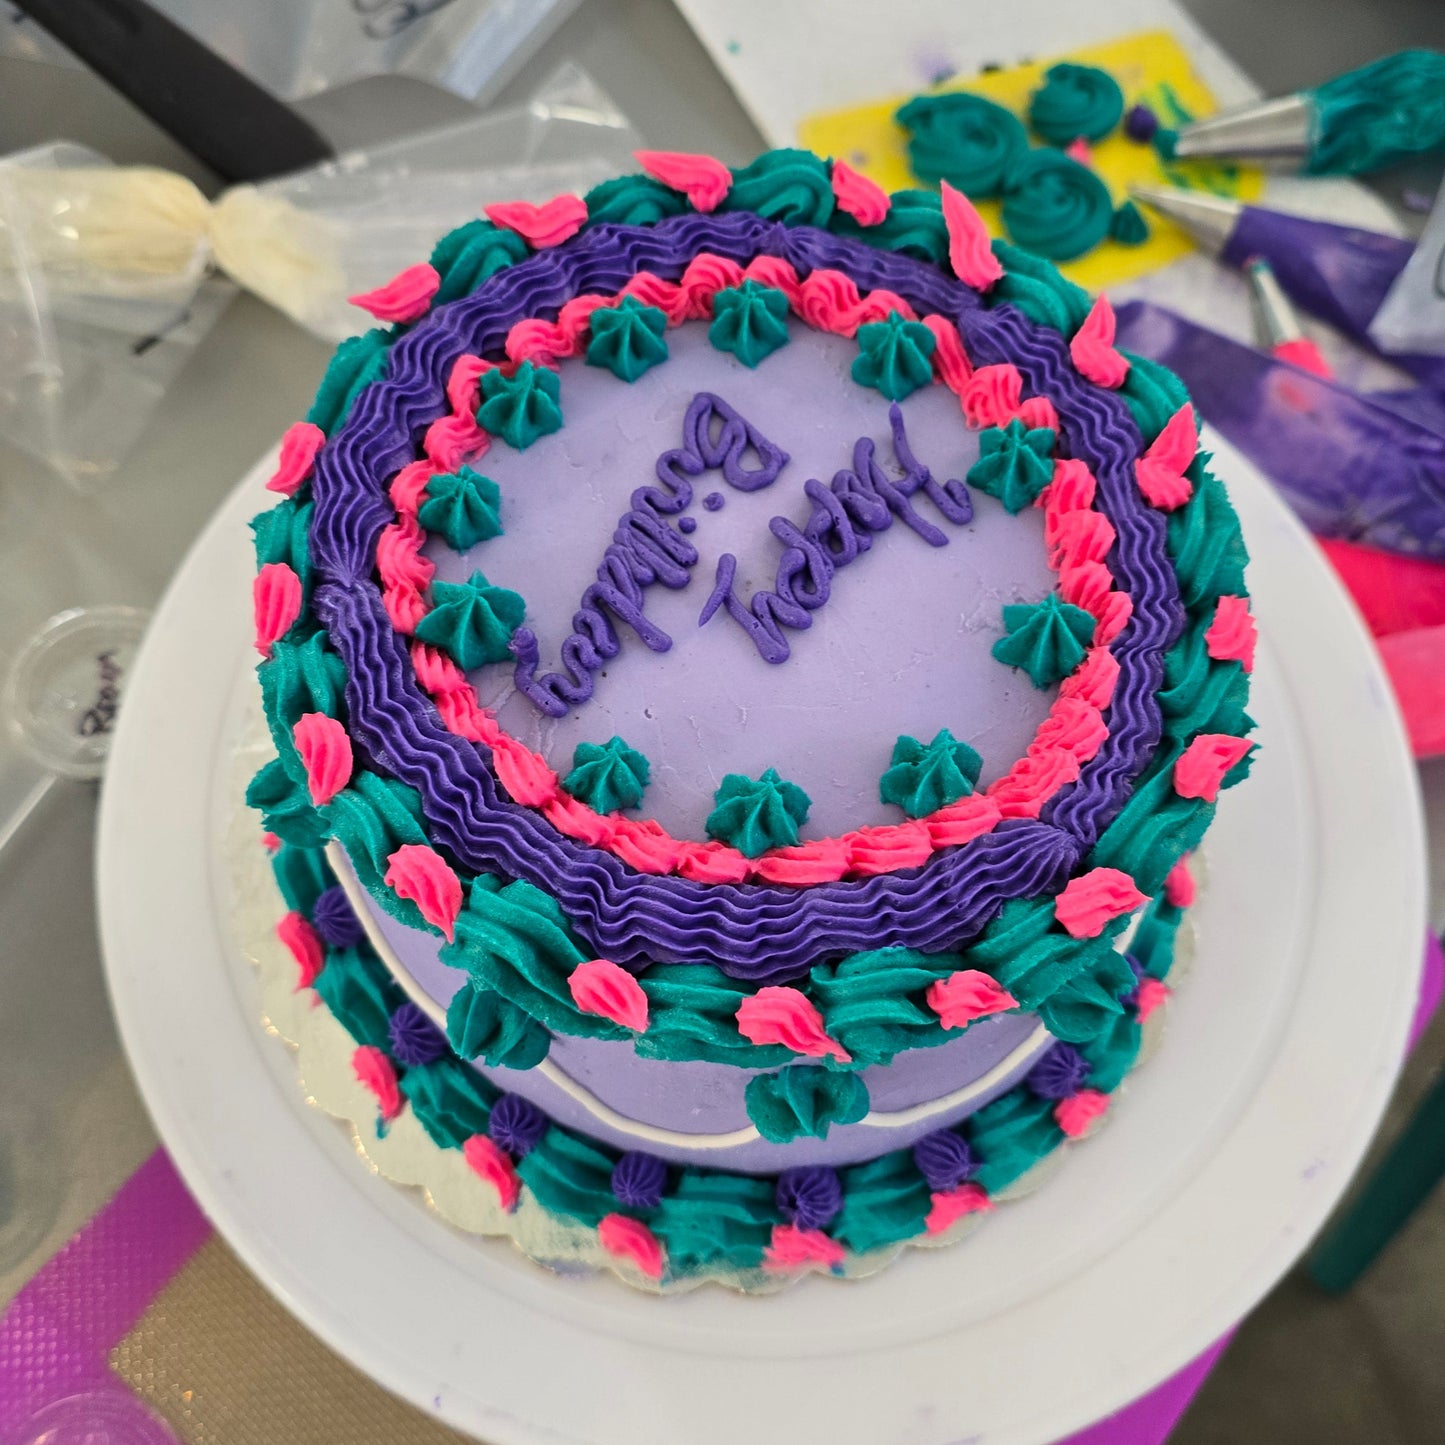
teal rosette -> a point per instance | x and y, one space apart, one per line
1055 207
632 201
964 139
750 321
481 1024
472 253
804 1099
1046 639
755 814
1036 287
924 777
462 506
608 776
1015 463
472 621
521 407
894 356
628 339
791 186
1074 101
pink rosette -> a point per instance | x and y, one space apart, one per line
863 199
992 396
604 988
408 485
405 297
887 847
969 252
543 343
781 1015
1160 471
965 995
819 860
829 301
626 1238
420 875
299 444
325 752
702 179
1086 585
275 604
963 821
374 1072
1153 994
1179 885
452 440
575 317
1093 899
305 947
949 1206
644 844
488 1162
1077 1114
879 305
1113 617
1033 780
541 226
1094 679
792 1249
1076 537
399 561
1232 635
1071 489
950 362
464 383
652 290
1036 411
523 773
706 275
712 863
1073 724
776 272
1201 767
1092 347
405 607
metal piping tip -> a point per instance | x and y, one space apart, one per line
1276 320
1209 219
1260 130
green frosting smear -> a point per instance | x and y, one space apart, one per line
750 320
914 226
894 356
884 1201
633 201
1037 288
1206 543
1152 393
716 1220
1128 227
1074 101
804 1099
298 678
1202 694
1047 639
280 534
462 506
1015 463
481 1024
1055 207
1011 1135
356 363
570 1177
628 339
285 806
1154 829
1382 113
968 141
755 814
451 1101
521 407
472 253
1154 942
371 819
608 776
692 1014
1113 1052
1090 1001
925 777
874 1003
472 621
361 993
302 876
791 186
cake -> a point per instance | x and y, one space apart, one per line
748 662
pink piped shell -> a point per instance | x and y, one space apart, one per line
420 874
628 1238
781 1015
950 361
992 396
1113 617
1077 1114
1095 678
1179 885
374 1072
1092 347
275 604
605 988
712 863
965 995
1077 536
951 1205
705 276
452 440
436 672
774 271
1232 635
1072 488
863 199
301 940
1201 767
1073 724
792 1248
1093 899
541 226
1037 411
1033 780
523 774
488 1162
969 252
405 297
399 560
1154 993
299 444
463 382
704 180
408 485
1160 471
325 751
963 821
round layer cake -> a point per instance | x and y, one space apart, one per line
748 660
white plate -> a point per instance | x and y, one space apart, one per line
1220 1162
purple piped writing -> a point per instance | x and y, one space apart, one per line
647 548
860 501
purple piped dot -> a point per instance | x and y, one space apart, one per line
944 1159
516 1125
415 1039
810 1196
333 919
1060 1074
638 1180
687 524
1140 123
714 501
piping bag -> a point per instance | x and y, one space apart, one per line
1359 122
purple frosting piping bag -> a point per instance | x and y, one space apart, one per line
1351 468
1339 274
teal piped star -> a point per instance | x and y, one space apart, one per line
927 777
463 506
895 356
628 339
608 776
750 320
521 407
1047 639
1015 463
755 814
472 621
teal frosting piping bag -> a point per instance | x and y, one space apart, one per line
1338 274
1358 122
